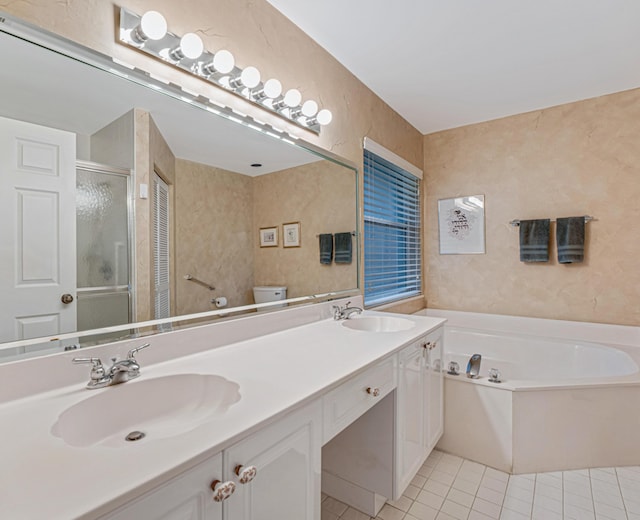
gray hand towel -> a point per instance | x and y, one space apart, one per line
570 239
534 240
326 248
343 248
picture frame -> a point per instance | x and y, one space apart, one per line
269 236
461 225
291 234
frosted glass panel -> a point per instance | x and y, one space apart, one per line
101 200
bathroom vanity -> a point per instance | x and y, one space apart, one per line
250 447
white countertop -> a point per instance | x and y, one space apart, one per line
43 477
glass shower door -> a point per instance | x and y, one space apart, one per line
103 247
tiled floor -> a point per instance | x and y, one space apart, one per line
451 488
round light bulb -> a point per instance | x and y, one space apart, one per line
324 117
223 61
191 46
309 108
153 25
272 88
250 77
292 98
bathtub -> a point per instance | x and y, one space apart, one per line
569 396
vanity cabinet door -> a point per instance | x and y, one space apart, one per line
410 415
286 456
419 415
435 389
186 497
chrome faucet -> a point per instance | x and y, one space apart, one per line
344 313
473 366
120 372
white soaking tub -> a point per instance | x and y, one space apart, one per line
569 396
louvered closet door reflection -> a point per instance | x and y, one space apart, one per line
161 247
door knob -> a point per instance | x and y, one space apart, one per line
66 299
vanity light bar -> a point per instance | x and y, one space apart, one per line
149 34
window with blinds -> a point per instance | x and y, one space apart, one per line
392 226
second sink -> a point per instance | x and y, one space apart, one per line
160 407
378 323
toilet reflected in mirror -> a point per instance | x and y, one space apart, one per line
269 293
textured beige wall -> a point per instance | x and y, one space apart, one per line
576 159
322 197
257 34
214 236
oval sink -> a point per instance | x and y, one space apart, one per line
161 407
378 323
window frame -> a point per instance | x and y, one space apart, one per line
400 225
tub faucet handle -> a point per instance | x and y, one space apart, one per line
495 376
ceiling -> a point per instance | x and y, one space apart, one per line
447 63
59 92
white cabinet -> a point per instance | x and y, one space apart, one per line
284 484
419 406
344 404
287 457
186 497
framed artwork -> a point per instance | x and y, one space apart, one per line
291 234
461 225
269 237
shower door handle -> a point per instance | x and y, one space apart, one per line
66 299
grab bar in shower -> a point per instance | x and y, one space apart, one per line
200 282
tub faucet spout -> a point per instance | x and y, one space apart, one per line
473 366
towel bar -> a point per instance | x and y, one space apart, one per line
353 233
200 282
587 218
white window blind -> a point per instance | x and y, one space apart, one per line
161 247
392 227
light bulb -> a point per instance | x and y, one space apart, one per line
250 77
191 46
292 98
223 61
272 88
309 108
153 26
324 117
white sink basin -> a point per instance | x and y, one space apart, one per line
161 407
378 323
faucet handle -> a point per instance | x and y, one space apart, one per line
97 370
132 353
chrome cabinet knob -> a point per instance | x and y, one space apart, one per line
66 299
375 392
222 490
245 474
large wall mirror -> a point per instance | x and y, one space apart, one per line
122 204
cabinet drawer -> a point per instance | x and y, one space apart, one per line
349 401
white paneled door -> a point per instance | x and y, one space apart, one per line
37 231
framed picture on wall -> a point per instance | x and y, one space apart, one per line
461 225
291 234
269 237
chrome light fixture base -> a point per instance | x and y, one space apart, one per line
200 62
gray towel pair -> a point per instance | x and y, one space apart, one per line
534 240
343 249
